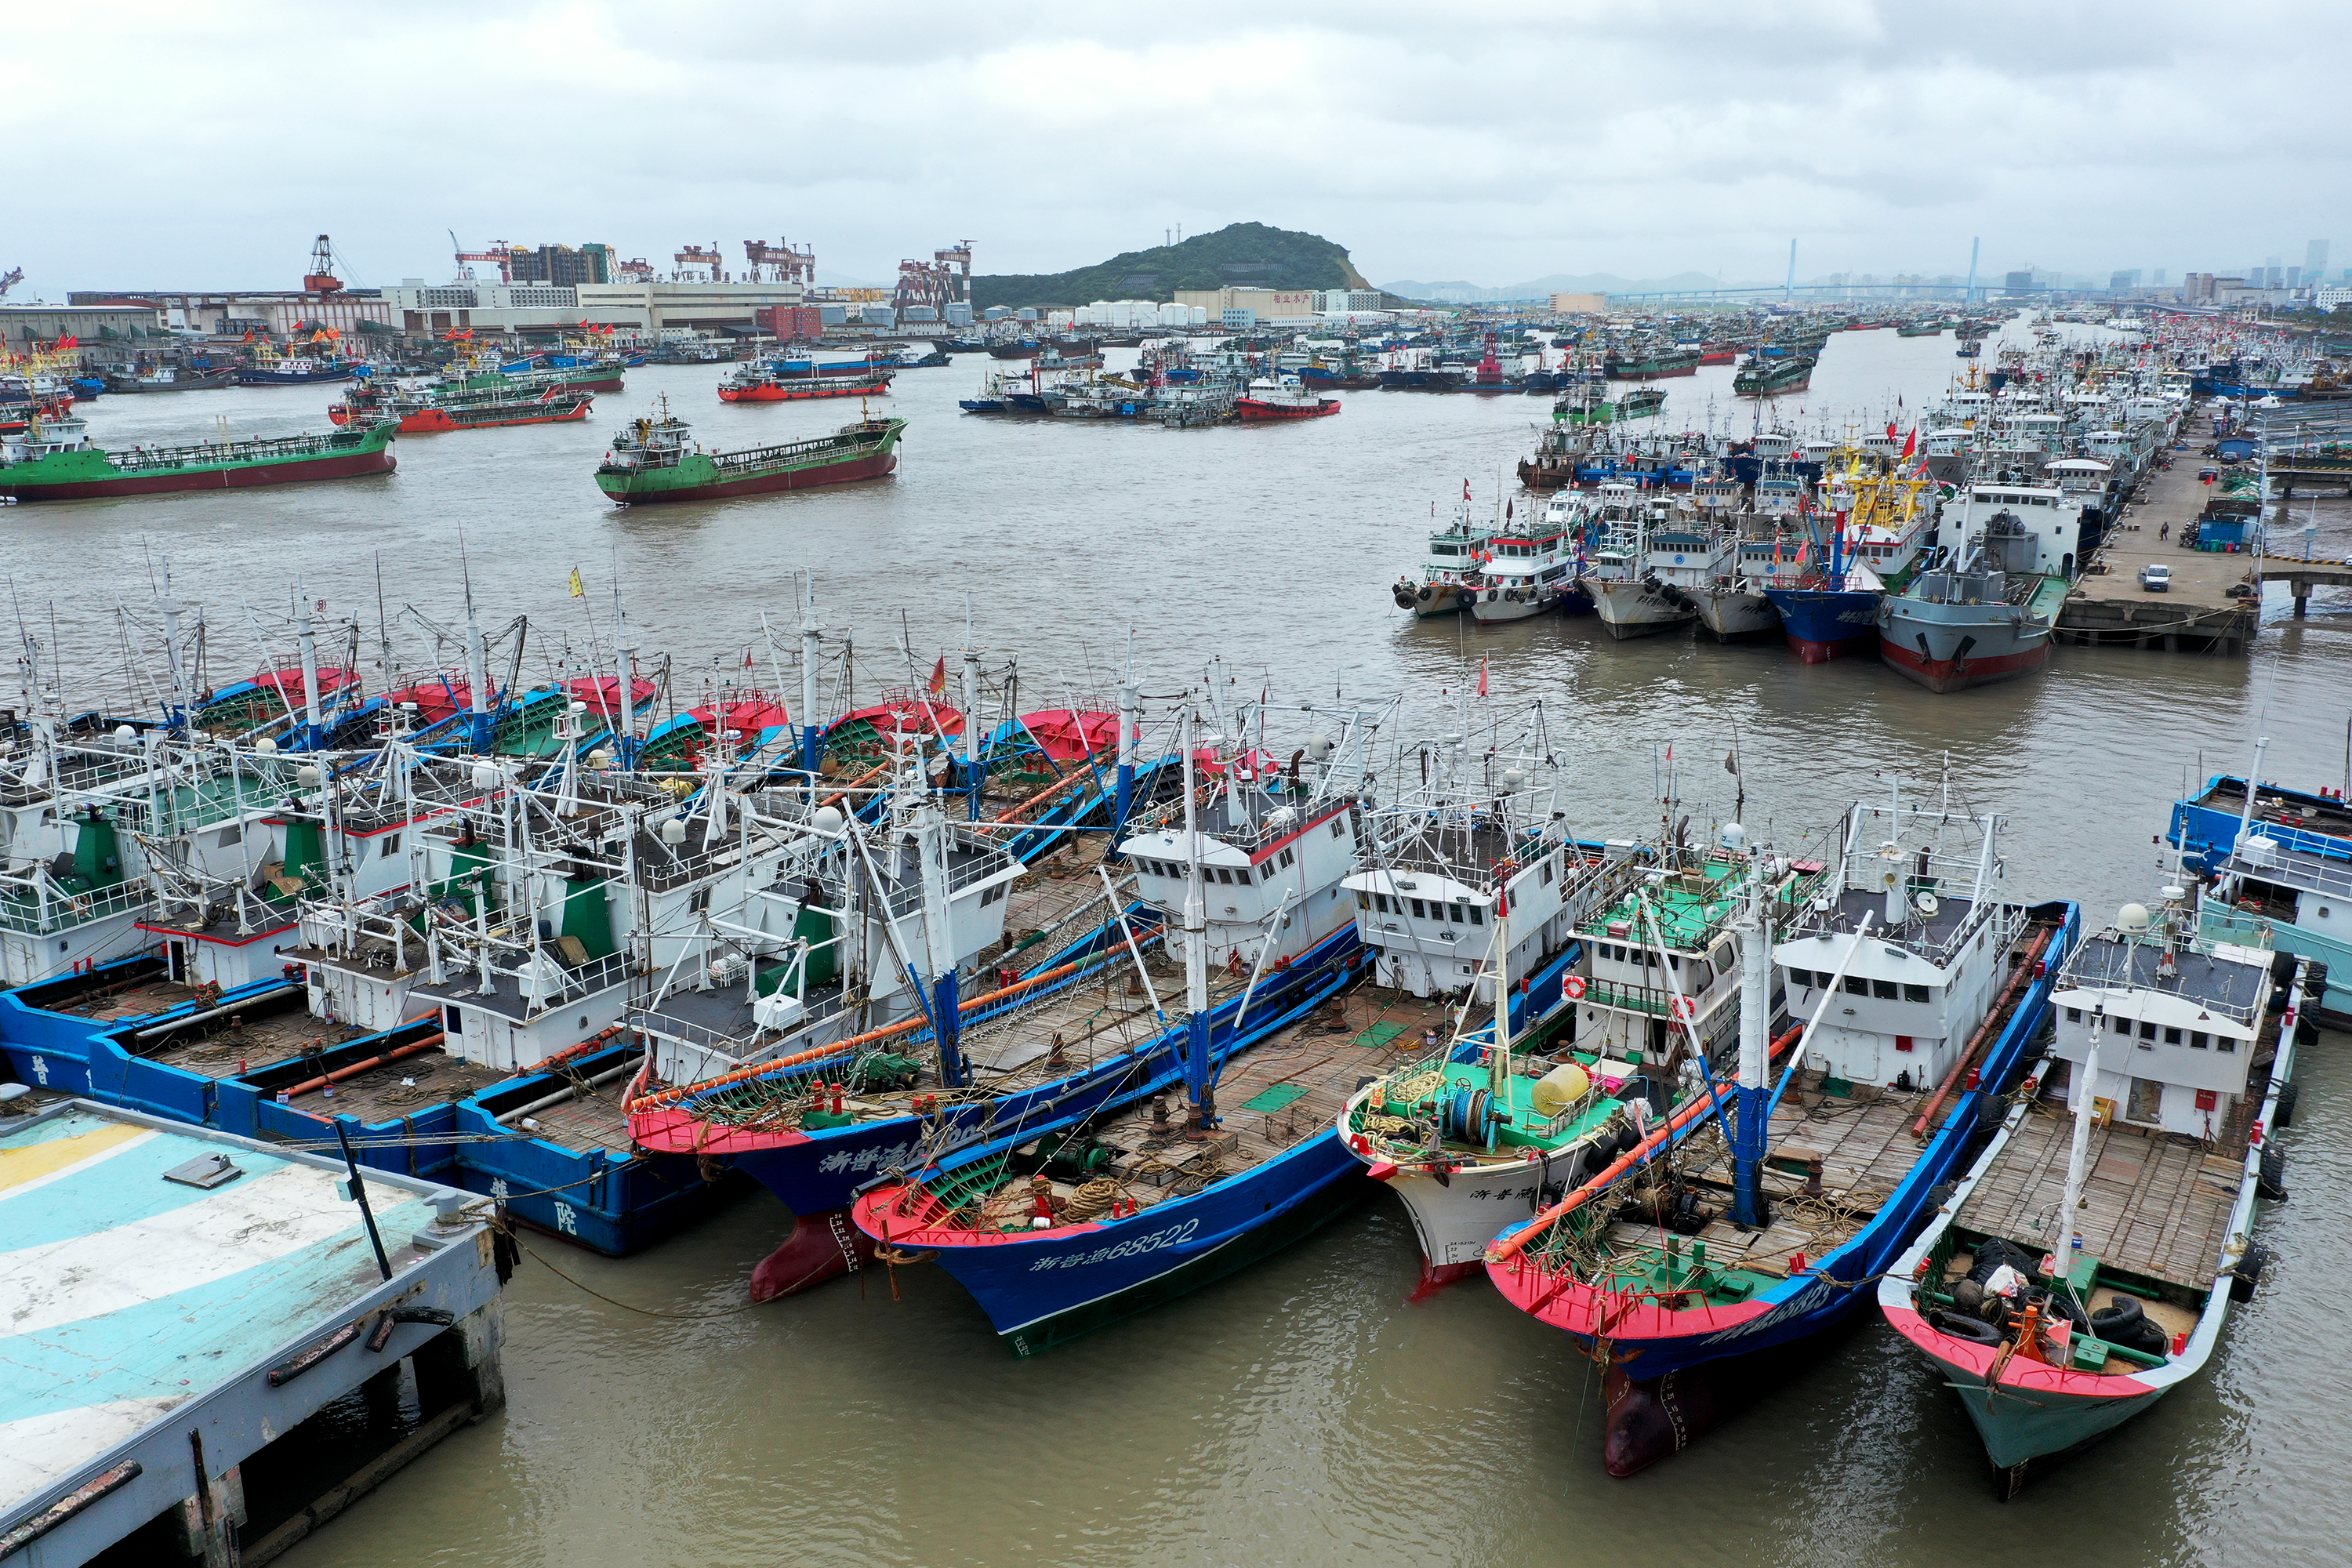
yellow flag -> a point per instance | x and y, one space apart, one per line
578 589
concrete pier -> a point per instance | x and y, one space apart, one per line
2197 613
174 1305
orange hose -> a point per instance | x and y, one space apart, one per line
1984 1030
324 1079
1010 812
1505 1250
904 1026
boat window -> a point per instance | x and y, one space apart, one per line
1857 986
1362 902
699 899
1287 858
1884 990
1914 994
1453 912
391 845
2224 1043
1418 913
1477 916
2172 1037
1338 827
2074 1014
1674 961
2123 1026
1547 871
2147 1031
2197 1039
1802 978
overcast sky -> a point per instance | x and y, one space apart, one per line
205 145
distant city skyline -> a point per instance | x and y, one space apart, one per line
1062 134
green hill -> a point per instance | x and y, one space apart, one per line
1239 255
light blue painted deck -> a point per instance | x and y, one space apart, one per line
135 1310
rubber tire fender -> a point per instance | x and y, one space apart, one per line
2269 1179
2284 1115
2248 1273
2115 1323
1971 1329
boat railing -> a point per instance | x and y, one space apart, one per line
34 904
2147 964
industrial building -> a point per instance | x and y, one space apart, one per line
1264 307
97 325
269 311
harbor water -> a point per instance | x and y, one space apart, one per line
1299 1412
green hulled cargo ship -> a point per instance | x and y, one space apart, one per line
54 460
652 460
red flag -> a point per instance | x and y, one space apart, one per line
940 677
1482 676
1890 429
1465 490
1911 446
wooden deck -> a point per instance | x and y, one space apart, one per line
1319 1057
2154 1206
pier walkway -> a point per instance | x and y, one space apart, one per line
2108 604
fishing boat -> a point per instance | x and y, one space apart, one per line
2087 1263
1741 1226
56 461
1640 402
1271 399
757 384
1034 1047
1621 575
1503 1110
652 460
1530 569
1762 377
1450 568
171 378
1870 544
1988 610
294 370
1653 363
1059 1229
2273 866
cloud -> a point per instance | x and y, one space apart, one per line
1495 139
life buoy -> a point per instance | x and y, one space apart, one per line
1685 1008
1573 987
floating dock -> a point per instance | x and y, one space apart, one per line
2197 613
175 1304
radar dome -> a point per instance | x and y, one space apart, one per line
2132 917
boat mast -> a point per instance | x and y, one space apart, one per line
2246 818
1755 1044
2078 1152
1203 1097
972 775
309 644
477 677
812 647
1498 1060
175 717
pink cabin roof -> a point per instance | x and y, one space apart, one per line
1067 735
601 691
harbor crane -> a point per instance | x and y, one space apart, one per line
501 253
324 265
695 258
9 280
785 262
